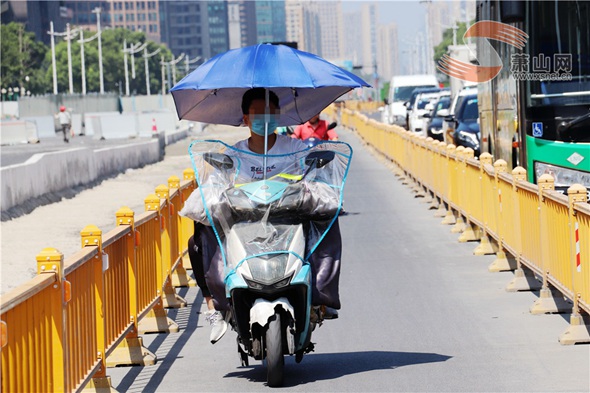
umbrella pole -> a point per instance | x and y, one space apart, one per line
266 119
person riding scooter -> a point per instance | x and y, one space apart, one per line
203 247
316 128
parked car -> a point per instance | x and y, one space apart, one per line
416 117
466 121
448 127
434 119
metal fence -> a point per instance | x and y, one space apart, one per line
541 234
81 314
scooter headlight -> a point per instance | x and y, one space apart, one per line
268 270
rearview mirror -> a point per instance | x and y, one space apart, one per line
332 125
218 160
319 158
442 113
386 101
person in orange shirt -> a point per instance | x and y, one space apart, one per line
315 128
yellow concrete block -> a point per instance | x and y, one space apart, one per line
131 352
523 282
157 321
577 333
550 303
100 385
502 263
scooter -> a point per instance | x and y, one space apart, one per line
267 230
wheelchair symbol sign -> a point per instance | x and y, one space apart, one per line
538 130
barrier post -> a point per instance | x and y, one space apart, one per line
170 298
547 301
470 231
156 319
459 192
485 247
179 276
579 330
502 262
521 281
91 236
188 174
51 261
449 218
131 351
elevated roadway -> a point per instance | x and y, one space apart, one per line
420 314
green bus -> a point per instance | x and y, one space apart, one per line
536 112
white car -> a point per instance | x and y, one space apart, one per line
416 119
400 91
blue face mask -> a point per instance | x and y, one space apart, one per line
258 124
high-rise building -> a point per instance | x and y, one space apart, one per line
36 16
270 21
331 25
135 15
294 23
352 38
387 53
242 23
217 27
368 35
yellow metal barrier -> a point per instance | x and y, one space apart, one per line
532 225
62 329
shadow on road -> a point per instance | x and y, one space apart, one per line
317 367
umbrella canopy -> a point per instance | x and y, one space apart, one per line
305 84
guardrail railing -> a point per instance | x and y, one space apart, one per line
523 224
81 314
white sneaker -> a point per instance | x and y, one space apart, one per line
218 325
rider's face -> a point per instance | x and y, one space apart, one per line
257 108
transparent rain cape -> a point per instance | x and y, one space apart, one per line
303 187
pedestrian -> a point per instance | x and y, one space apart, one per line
65 120
203 247
315 128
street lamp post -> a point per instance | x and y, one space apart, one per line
82 41
131 50
69 40
97 11
146 56
188 62
52 34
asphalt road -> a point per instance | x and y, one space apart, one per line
420 314
19 153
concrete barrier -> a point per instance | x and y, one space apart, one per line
56 172
18 131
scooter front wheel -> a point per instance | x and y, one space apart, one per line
275 362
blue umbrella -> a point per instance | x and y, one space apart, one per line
305 84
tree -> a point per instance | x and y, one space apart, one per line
443 48
112 60
23 56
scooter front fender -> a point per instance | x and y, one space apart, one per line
263 309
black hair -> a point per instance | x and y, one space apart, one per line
258 93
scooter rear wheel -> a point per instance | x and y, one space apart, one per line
275 362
